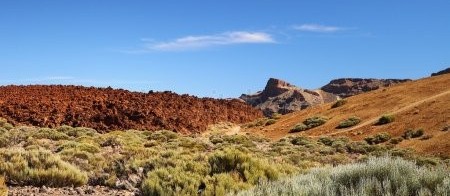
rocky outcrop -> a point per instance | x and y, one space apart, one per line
107 109
281 97
346 87
445 71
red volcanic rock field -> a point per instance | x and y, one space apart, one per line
107 109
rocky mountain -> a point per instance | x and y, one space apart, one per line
281 97
346 87
445 71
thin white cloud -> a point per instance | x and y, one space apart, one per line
318 28
51 78
204 41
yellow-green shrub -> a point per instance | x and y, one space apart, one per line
352 121
309 123
77 132
39 168
339 103
171 181
223 184
250 170
52 134
385 119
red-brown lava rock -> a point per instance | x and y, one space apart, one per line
107 109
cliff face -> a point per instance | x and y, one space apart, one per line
281 97
346 87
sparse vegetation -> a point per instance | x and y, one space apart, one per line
378 138
276 116
350 122
377 176
339 103
166 163
38 168
396 140
385 119
309 123
270 122
426 137
408 134
446 128
298 128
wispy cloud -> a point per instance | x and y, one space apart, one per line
76 81
318 28
53 78
204 41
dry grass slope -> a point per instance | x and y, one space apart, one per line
417 104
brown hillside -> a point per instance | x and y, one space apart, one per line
423 103
107 109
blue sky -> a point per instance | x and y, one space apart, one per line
219 48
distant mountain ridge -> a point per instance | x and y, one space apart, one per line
445 71
282 97
346 87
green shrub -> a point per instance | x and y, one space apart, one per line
223 184
77 132
301 141
270 122
350 122
298 128
408 134
326 141
315 121
309 123
4 124
378 138
13 137
418 133
39 168
275 116
163 136
249 169
385 119
3 187
396 140
51 134
171 181
376 176
339 103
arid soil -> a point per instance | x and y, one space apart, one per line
416 104
107 109
84 190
